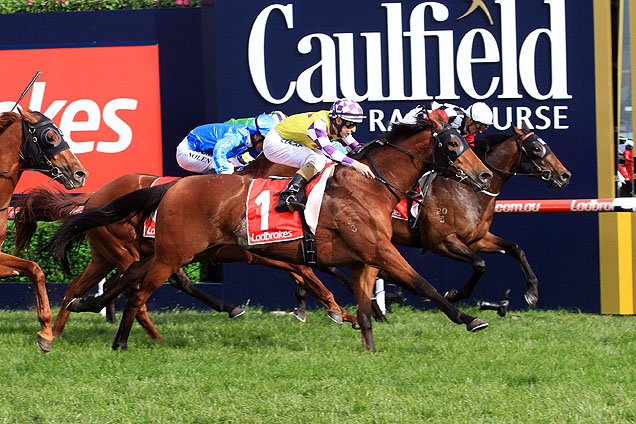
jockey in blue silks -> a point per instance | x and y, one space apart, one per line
219 148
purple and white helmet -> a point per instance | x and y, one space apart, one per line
349 110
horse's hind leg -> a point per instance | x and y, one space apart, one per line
13 266
92 274
180 281
152 276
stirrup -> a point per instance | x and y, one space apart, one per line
289 203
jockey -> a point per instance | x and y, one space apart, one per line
470 122
304 141
219 148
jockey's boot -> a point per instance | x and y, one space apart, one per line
288 200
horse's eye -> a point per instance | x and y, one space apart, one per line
453 144
52 138
538 149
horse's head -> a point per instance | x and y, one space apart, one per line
452 153
45 150
537 159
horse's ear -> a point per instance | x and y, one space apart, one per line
524 126
517 130
434 119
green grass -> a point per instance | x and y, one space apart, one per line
545 367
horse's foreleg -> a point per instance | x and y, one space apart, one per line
301 297
13 266
403 274
180 281
92 274
343 279
363 281
144 320
493 244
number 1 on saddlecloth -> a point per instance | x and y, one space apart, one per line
263 201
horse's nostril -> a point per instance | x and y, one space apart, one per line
80 175
485 177
566 176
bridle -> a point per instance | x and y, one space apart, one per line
443 159
36 152
527 162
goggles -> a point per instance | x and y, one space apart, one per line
350 124
480 127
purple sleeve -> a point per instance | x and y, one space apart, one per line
318 132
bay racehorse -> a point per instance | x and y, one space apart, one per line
31 141
354 229
117 246
454 221
463 230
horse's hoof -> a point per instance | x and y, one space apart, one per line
452 295
73 305
43 344
355 325
301 315
236 312
531 300
476 325
335 317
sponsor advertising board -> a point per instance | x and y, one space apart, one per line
104 99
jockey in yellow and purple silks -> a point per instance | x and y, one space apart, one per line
304 141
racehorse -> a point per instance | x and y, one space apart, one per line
31 142
116 246
463 231
354 228
454 221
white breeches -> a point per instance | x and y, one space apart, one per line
197 162
290 153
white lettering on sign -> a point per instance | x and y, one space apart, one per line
70 119
336 66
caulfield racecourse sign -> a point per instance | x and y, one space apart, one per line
460 51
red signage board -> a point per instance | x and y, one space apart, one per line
104 99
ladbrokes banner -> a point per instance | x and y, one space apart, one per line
104 99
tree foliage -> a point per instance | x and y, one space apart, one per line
37 6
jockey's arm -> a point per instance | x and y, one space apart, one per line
222 149
318 133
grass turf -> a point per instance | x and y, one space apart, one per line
544 367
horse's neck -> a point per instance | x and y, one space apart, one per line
400 169
10 162
503 157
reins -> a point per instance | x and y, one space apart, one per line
542 173
459 173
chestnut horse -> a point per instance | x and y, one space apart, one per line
354 229
118 245
31 142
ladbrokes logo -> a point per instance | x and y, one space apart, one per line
104 99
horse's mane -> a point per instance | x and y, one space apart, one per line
397 131
488 142
6 119
400 130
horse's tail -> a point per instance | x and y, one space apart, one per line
42 204
141 203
